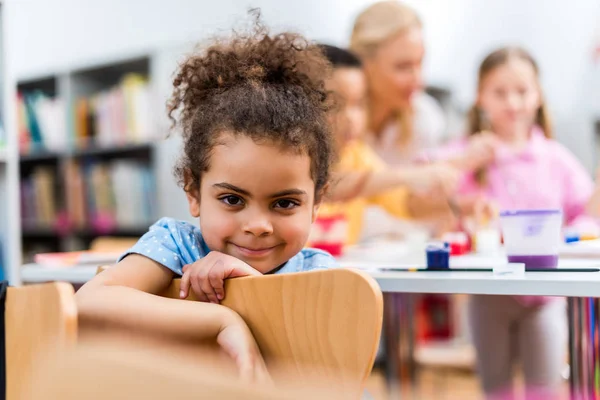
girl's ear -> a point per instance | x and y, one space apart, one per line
192 193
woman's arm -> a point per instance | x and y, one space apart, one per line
351 185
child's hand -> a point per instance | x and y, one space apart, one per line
478 207
480 151
237 341
206 276
593 205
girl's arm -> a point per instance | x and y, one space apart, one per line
125 296
593 204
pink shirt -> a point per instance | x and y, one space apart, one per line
543 175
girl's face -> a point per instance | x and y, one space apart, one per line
510 98
395 70
256 202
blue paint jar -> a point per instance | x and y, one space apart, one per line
438 255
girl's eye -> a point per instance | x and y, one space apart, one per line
285 204
232 200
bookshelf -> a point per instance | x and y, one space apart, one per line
10 254
4 158
87 155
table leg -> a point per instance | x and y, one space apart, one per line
399 339
573 351
584 348
391 336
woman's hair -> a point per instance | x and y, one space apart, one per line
270 88
380 22
476 120
374 26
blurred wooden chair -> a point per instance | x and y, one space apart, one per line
39 319
323 323
125 370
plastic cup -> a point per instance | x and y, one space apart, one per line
532 237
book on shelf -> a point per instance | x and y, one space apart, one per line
107 196
38 199
99 198
116 116
113 117
41 122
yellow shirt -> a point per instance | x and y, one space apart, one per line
358 157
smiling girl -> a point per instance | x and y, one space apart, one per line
256 161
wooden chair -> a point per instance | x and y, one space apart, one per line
39 319
320 323
123 370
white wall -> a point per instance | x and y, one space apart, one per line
48 36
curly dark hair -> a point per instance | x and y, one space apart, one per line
267 87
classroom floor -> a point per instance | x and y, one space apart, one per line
433 385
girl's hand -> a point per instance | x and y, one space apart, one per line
207 275
480 151
478 208
238 343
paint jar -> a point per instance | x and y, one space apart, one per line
532 237
438 255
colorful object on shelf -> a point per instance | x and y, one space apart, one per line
329 234
438 255
41 122
99 196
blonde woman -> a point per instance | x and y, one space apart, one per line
403 120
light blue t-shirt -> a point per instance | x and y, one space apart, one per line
174 243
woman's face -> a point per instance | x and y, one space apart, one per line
395 69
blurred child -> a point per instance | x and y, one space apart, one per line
256 161
593 206
362 178
527 169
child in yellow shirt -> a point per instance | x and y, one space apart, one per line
362 178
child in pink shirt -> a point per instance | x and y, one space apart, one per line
515 163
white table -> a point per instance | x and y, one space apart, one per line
574 285
568 284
